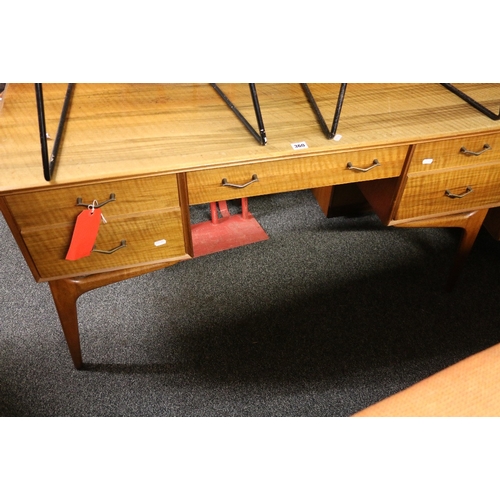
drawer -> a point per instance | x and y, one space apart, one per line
143 234
449 153
58 205
426 194
205 186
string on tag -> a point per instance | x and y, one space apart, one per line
92 210
93 207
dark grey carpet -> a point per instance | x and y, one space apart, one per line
325 318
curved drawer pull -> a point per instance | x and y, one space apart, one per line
79 202
240 186
375 163
448 193
123 244
465 151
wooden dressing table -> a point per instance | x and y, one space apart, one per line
415 154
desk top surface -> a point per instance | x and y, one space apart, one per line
125 130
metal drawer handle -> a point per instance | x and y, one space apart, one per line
79 202
448 193
375 163
465 151
240 186
123 244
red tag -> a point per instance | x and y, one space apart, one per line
84 234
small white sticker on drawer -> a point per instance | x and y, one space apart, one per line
337 137
299 145
159 243
427 161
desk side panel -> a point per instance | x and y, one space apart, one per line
19 239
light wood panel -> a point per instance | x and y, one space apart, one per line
448 154
468 388
48 246
122 130
58 205
425 195
205 186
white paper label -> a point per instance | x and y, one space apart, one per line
299 145
337 137
427 161
159 243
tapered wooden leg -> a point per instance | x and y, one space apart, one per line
65 293
470 222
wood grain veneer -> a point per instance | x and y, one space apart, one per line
48 246
58 205
425 195
145 211
125 130
290 175
447 154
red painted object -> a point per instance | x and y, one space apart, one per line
228 231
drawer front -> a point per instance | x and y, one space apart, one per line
58 206
450 153
426 194
144 235
205 186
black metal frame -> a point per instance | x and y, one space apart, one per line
259 136
49 163
329 133
471 101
